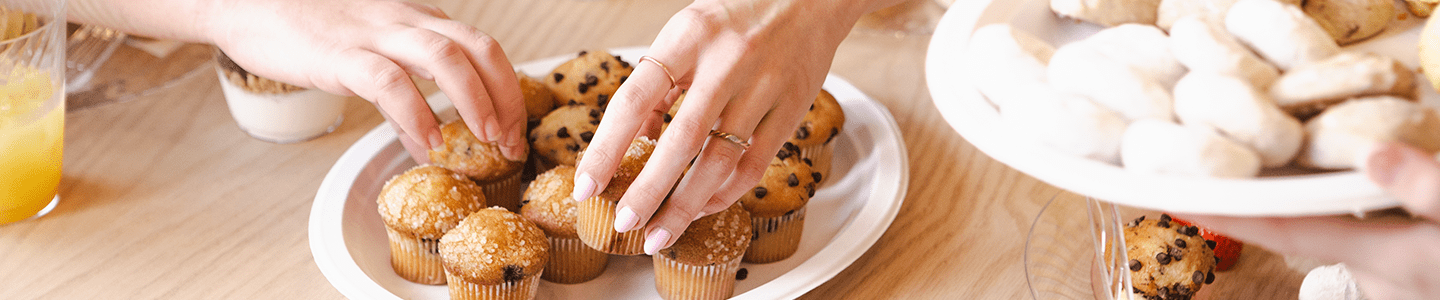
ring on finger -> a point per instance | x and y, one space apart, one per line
744 145
645 58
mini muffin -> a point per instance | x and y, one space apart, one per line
595 217
539 101
564 133
703 261
590 79
818 130
418 207
494 254
482 162
670 116
547 203
777 206
1168 260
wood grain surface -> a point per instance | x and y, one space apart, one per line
164 197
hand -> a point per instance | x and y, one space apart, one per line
369 48
750 68
1390 260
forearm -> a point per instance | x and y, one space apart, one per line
185 20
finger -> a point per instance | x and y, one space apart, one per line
657 118
489 61
1356 242
426 51
386 84
1408 174
639 95
428 9
418 152
770 135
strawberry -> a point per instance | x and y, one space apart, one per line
1227 250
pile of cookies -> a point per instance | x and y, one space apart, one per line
442 233
1207 88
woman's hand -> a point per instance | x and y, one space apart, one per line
369 48
751 69
1389 259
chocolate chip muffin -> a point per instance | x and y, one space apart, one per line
494 254
547 203
595 217
703 262
1168 260
670 116
818 130
564 133
418 207
539 101
482 162
591 79
777 206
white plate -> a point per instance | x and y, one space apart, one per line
974 118
846 216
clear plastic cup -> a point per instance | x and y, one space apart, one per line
32 106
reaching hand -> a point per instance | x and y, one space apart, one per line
369 48
1389 259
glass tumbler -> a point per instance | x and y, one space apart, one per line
32 106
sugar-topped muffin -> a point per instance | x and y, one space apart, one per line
418 207
777 206
547 203
703 261
596 216
482 162
494 254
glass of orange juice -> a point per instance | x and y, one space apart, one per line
32 106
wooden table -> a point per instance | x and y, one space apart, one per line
164 197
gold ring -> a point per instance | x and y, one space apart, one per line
645 58
732 138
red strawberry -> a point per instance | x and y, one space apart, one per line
1227 250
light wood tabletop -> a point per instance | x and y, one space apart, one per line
164 197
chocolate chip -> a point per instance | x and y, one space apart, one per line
583 88
1217 260
1163 223
1135 265
594 113
792 180
1163 258
594 122
1209 277
582 53
784 154
586 136
816 176
760 192
742 274
670 253
1137 221
1192 230
559 77
807 162
1197 277
812 106
833 132
623 78
573 147
591 80
810 190
1136 290
572 102
802 133
563 132
788 213
514 273
1176 253
623 64
605 65
1180 243
601 99
1165 218
1210 243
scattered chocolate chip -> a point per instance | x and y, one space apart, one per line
1163 223
816 176
668 117
1192 230
807 162
572 102
1180 243
784 154
1176 253
559 77
563 132
514 273
1165 218
602 98
1209 277
1210 243
523 202
623 78
573 147
833 132
594 113
617 58
742 274
586 136
605 65
792 180
582 53
594 122
1136 290
583 88
1163 258
1135 265
1137 221
623 63
812 106
802 133
810 190
591 80
1197 277
760 192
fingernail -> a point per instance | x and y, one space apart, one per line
697 217
584 187
516 138
437 141
1384 164
625 220
657 240
492 130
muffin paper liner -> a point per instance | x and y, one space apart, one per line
571 261
776 238
505 192
525 289
416 259
675 280
595 223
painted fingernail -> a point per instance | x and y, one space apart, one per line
516 138
656 241
437 141
625 220
584 187
1384 164
492 130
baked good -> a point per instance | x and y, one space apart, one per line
1350 21
818 130
482 162
547 203
595 217
1167 260
1342 136
494 254
539 101
591 78
565 132
274 111
418 207
704 259
1108 12
777 206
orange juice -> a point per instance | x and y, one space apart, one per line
32 130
